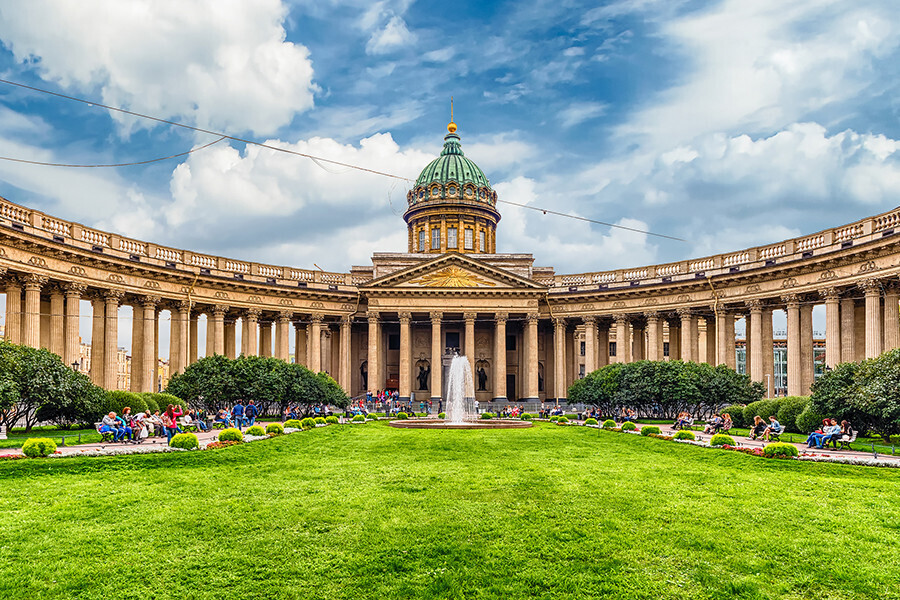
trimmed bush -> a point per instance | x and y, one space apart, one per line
320 421
721 439
609 424
307 423
789 409
256 430
809 420
295 423
332 420
780 450
562 420
402 416
526 417
591 421
152 404
487 415
35 447
442 416
187 441
685 435
737 414
274 429
648 429
359 419
371 416
763 408
231 435
116 400
554 419
163 400
628 426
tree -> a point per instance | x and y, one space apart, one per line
599 388
207 383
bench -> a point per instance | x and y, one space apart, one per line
845 444
189 425
775 436
105 436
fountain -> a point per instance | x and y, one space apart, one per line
460 412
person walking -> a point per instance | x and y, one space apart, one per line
170 421
238 413
250 413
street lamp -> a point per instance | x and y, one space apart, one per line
76 365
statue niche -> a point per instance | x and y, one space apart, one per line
481 376
424 371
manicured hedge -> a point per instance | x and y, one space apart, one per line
256 430
721 439
274 429
332 420
685 435
231 434
35 447
789 409
609 424
307 423
648 429
628 426
780 450
590 421
359 419
294 423
187 441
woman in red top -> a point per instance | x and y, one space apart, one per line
169 421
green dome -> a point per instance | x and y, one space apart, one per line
452 165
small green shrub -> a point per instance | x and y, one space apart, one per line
295 423
590 421
332 420
780 450
609 424
442 415
402 416
274 429
736 411
231 435
648 429
554 419
685 435
35 447
320 421
487 415
790 408
187 441
256 430
562 420
307 423
809 420
721 439
371 416
359 419
526 417
628 426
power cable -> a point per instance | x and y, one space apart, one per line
128 164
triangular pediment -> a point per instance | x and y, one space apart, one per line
453 271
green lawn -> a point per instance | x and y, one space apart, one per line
17 437
373 512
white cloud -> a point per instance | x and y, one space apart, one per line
217 64
394 35
580 112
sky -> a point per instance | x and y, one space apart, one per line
727 123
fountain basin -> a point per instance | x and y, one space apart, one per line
441 424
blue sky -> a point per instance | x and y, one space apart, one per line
727 123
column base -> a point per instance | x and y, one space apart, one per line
403 399
499 399
534 399
435 398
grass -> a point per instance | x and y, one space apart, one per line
375 512
17 437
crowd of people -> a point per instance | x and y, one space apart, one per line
135 427
830 433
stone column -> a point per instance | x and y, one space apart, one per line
405 355
872 289
282 335
469 319
654 336
31 331
58 323
756 344
500 356
768 352
374 368
13 331
712 347
344 369
231 338
219 311
806 348
265 338
639 340
891 317
301 344
794 358
194 336
722 321
603 344
111 338
832 297
730 341
687 335
572 355
315 342
149 361
98 329
590 343
176 325
437 355
137 346
530 371
848 330
674 339
250 333
559 357
210 334
623 341
73 313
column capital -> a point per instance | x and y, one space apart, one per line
589 319
285 316
651 315
373 316
891 286
501 317
405 317
830 293
532 318
755 305
436 316
791 300
469 316
316 318
346 321
113 296
74 289
684 312
219 310
150 301
253 314
621 319
871 286
559 322
34 281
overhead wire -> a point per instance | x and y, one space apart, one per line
316 159
97 166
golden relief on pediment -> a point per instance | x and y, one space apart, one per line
452 277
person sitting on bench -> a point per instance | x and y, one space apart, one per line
110 423
774 428
833 434
714 424
727 424
758 428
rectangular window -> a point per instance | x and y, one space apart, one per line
582 348
394 341
435 239
581 371
481 239
451 237
666 349
468 240
612 348
511 343
422 240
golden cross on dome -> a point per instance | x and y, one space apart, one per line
451 127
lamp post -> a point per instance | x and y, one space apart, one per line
76 365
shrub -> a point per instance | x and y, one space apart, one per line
809 420
648 429
295 423
609 424
487 415
256 430
562 420
442 416
307 423
526 417
150 401
780 450
359 419
231 435
274 429
789 409
737 414
332 420
628 426
320 421
371 416
188 441
116 400
721 439
554 419
591 421
685 435
763 408
402 416
217 445
35 447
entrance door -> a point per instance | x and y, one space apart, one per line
511 387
